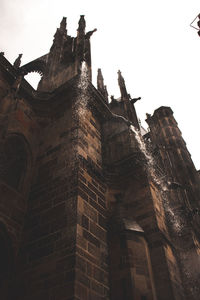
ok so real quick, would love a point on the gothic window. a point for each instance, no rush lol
(13, 161)
(33, 78)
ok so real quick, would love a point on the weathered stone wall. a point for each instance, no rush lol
(64, 250)
(69, 235)
(47, 254)
(131, 273)
(139, 200)
(92, 252)
(181, 201)
(17, 146)
(49, 83)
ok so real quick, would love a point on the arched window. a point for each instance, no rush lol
(34, 71)
(13, 161)
(33, 78)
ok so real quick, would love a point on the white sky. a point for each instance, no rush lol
(150, 41)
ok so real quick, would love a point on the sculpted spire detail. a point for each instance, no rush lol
(81, 25)
(63, 24)
(100, 85)
(65, 57)
(83, 46)
(126, 102)
(60, 35)
(122, 86)
(100, 80)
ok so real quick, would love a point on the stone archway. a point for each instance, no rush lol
(34, 71)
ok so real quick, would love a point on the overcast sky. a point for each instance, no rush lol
(151, 42)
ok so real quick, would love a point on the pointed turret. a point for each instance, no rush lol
(122, 86)
(63, 24)
(60, 36)
(127, 102)
(100, 80)
(81, 25)
(83, 52)
(66, 55)
(80, 50)
(100, 85)
(106, 93)
(55, 56)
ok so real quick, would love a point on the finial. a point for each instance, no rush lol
(17, 62)
(112, 98)
(63, 23)
(100, 85)
(106, 93)
(119, 72)
(81, 23)
(122, 85)
(120, 78)
(105, 87)
(100, 81)
(60, 35)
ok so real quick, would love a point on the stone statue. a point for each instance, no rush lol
(17, 62)
(112, 98)
(148, 115)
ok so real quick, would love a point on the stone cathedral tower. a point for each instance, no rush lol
(89, 208)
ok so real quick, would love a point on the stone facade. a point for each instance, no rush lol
(90, 209)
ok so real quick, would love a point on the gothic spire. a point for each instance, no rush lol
(100, 81)
(81, 25)
(100, 85)
(122, 86)
(60, 36)
(63, 25)
(128, 103)
(106, 93)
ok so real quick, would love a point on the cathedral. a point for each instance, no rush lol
(92, 206)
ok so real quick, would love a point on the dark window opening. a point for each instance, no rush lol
(13, 161)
